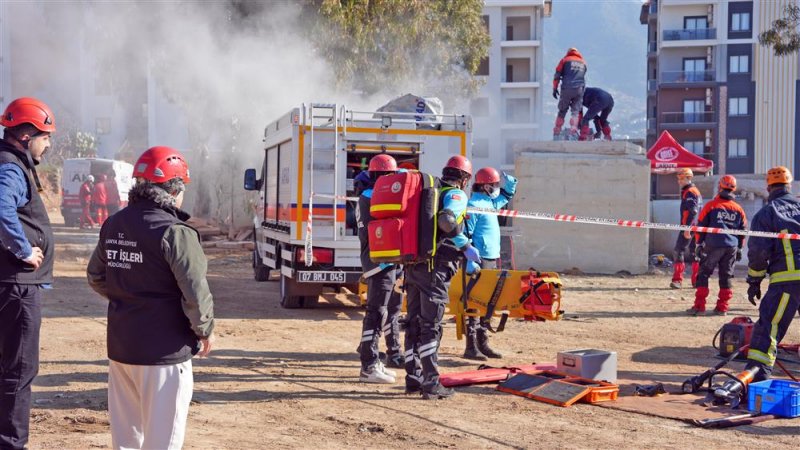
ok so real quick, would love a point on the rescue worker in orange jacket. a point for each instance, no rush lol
(718, 250)
(684, 246)
(571, 74)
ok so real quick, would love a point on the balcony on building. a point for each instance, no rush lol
(652, 87)
(704, 120)
(688, 78)
(652, 125)
(690, 34)
(519, 74)
(519, 33)
(652, 49)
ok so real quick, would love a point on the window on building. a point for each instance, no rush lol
(740, 21)
(737, 148)
(695, 23)
(102, 125)
(518, 110)
(518, 70)
(696, 147)
(737, 106)
(483, 67)
(486, 22)
(480, 148)
(693, 111)
(739, 64)
(479, 107)
(694, 69)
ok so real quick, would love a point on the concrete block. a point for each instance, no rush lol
(592, 179)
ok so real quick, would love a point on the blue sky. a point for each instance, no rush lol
(614, 44)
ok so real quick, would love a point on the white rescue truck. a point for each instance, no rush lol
(305, 227)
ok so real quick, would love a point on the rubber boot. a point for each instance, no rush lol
(725, 296)
(699, 307)
(471, 351)
(483, 345)
(607, 133)
(557, 128)
(677, 275)
(585, 132)
(695, 271)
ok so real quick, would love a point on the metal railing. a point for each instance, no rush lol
(688, 35)
(688, 117)
(684, 76)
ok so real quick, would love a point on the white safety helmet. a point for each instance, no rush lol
(90, 178)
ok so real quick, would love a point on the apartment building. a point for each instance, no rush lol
(508, 108)
(714, 88)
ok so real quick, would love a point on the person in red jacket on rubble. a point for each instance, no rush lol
(571, 73)
(100, 199)
(684, 246)
(719, 250)
(85, 195)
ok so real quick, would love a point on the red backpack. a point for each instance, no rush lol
(403, 208)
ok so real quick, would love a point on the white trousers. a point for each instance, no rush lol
(148, 405)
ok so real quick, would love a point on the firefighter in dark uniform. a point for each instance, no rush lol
(685, 246)
(427, 283)
(719, 250)
(571, 74)
(383, 303)
(781, 260)
(26, 261)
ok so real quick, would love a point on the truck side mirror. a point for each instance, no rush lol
(250, 181)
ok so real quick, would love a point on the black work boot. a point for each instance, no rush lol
(395, 360)
(472, 352)
(483, 345)
(438, 392)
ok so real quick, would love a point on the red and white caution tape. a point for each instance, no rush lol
(337, 197)
(627, 223)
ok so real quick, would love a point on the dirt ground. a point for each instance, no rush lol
(288, 378)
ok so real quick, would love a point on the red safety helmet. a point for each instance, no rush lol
(382, 163)
(487, 175)
(461, 163)
(29, 110)
(727, 182)
(161, 164)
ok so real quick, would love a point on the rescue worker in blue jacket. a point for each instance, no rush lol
(571, 74)
(780, 259)
(383, 303)
(484, 230)
(718, 250)
(599, 104)
(427, 283)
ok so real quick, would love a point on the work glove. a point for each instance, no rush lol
(473, 268)
(738, 254)
(700, 251)
(384, 266)
(509, 179)
(555, 93)
(472, 254)
(754, 289)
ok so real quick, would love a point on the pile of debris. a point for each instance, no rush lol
(212, 236)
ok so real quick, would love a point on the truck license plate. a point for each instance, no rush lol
(320, 277)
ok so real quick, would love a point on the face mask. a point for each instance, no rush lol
(494, 193)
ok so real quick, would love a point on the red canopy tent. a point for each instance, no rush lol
(667, 156)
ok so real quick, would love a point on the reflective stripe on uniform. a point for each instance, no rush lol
(783, 277)
(787, 250)
(769, 357)
(756, 273)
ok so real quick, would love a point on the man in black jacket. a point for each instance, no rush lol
(26, 261)
(150, 266)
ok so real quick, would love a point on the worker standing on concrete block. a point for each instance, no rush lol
(381, 296)
(718, 250)
(26, 261)
(571, 73)
(428, 282)
(484, 230)
(150, 266)
(684, 247)
(779, 259)
(599, 104)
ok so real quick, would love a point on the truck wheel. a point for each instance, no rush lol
(260, 271)
(310, 301)
(289, 301)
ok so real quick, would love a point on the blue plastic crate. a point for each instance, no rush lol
(779, 397)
